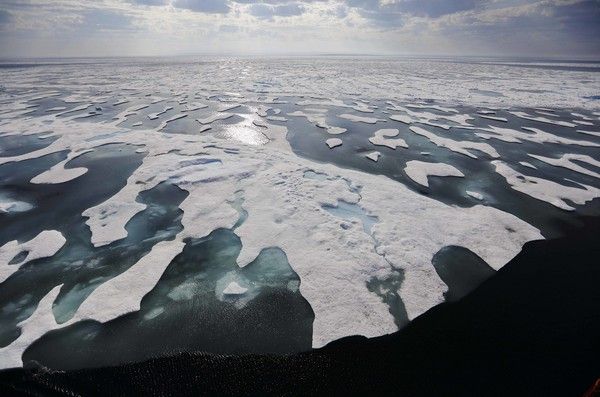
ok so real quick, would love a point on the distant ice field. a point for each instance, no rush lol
(149, 206)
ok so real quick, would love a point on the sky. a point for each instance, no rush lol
(567, 29)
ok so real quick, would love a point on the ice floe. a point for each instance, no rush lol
(60, 174)
(374, 156)
(593, 133)
(456, 146)
(359, 119)
(214, 117)
(276, 118)
(154, 116)
(194, 106)
(228, 107)
(495, 118)
(527, 116)
(533, 135)
(74, 110)
(318, 117)
(234, 288)
(419, 171)
(430, 106)
(55, 109)
(333, 142)
(475, 195)
(582, 116)
(171, 119)
(384, 137)
(120, 102)
(44, 245)
(429, 118)
(566, 161)
(41, 321)
(527, 164)
(546, 190)
(8, 205)
(402, 118)
(123, 293)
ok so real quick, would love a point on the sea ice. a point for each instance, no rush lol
(41, 321)
(56, 109)
(475, 195)
(60, 174)
(228, 107)
(288, 208)
(374, 156)
(7, 205)
(582, 116)
(120, 102)
(495, 118)
(154, 116)
(419, 171)
(122, 294)
(44, 245)
(234, 289)
(333, 142)
(194, 106)
(382, 138)
(214, 117)
(593, 133)
(545, 190)
(75, 109)
(430, 106)
(456, 146)
(359, 119)
(526, 164)
(276, 118)
(171, 119)
(318, 118)
(429, 118)
(566, 161)
(527, 116)
(402, 118)
(533, 135)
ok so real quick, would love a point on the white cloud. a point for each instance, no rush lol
(78, 27)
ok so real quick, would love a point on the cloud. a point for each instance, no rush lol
(267, 11)
(499, 27)
(150, 2)
(435, 8)
(105, 20)
(5, 17)
(204, 6)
